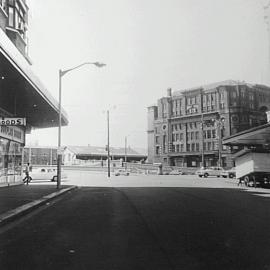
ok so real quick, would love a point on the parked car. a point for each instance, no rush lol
(176, 172)
(211, 171)
(231, 173)
(45, 173)
(121, 172)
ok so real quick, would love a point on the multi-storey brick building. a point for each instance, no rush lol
(176, 135)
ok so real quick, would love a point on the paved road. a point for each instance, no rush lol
(143, 228)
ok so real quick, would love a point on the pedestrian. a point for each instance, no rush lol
(27, 177)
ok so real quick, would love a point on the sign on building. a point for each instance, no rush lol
(7, 121)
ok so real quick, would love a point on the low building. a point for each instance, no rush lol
(186, 127)
(94, 155)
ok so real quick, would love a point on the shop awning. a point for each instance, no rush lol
(259, 135)
(22, 93)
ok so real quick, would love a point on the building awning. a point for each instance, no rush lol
(22, 93)
(256, 136)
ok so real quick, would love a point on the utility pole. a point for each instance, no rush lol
(266, 8)
(108, 147)
(125, 152)
(202, 123)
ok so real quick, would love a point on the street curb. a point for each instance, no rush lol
(26, 208)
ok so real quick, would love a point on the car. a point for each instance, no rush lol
(211, 171)
(45, 173)
(121, 172)
(231, 173)
(176, 172)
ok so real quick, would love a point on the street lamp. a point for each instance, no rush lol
(108, 141)
(126, 152)
(266, 8)
(219, 122)
(59, 152)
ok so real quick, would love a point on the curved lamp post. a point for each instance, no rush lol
(59, 152)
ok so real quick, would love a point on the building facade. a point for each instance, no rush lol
(186, 127)
(22, 94)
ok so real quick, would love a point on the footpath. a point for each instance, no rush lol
(19, 200)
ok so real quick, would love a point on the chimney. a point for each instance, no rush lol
(169, 92)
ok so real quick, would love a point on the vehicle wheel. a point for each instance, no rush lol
(200, 176)
(231, 175)
(206, 175)
(224, 176)
(54, 179)
(218, 175)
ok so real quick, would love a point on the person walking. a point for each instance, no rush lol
(27, 177)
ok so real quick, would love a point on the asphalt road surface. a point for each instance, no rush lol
(143, 228)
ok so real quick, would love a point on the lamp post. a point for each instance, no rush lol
(59, 152)
(219, 124)
(202, 123)
(266, 8)
(108, 142)
(126, 152)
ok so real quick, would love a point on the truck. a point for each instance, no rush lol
(253, 167)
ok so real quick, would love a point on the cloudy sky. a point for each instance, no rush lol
(148, 46)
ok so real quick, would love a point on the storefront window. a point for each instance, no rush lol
(10, 160)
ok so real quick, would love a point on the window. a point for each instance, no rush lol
(181, 136)
(192, 136)
(182, 147)
(188, 147)
(157, 139)
(213, 133)
(17, 16)
(157, 150)
(177, 148)
(209, 145)
(197, 135)
(193, 147)
(164, 110)
(177, 137)
(204, 98)
(208, 134)
(197, 147)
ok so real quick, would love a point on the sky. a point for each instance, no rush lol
(148, 46)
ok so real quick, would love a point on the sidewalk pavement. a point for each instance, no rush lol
(18, 200)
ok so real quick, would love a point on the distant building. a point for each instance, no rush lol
(76, 155)
(176, 135)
